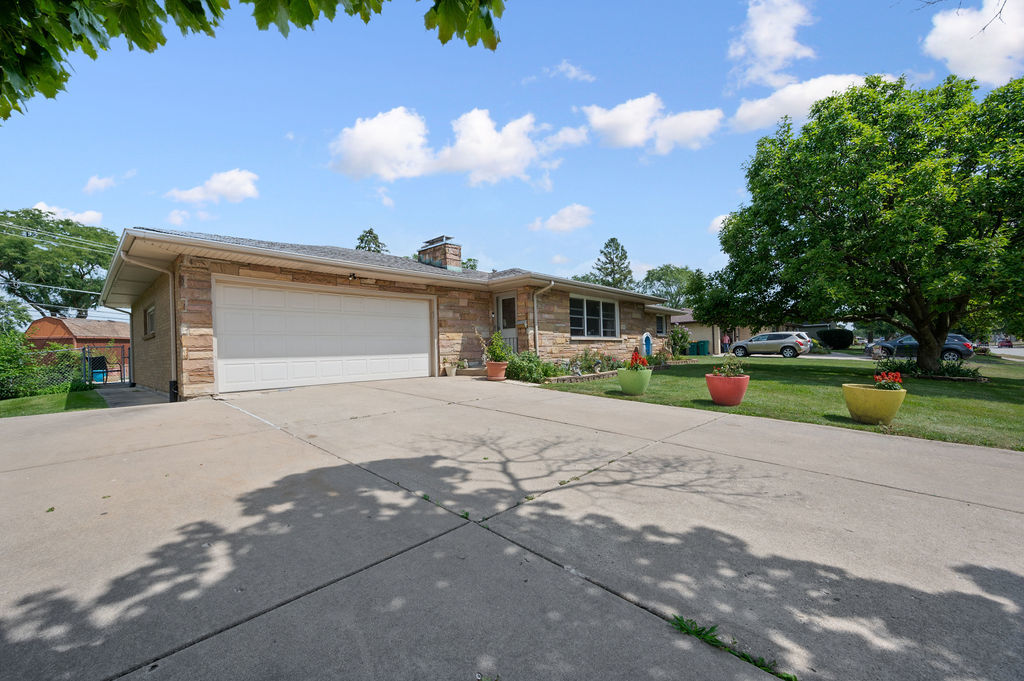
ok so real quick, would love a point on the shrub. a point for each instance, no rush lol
(496, 349)
(527, 366)
(908, 367)
(837, 339)
(679, 340)
(819, 348)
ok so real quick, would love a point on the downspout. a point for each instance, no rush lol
(536, 332)
(172, 389)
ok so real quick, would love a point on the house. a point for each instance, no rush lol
(215, 314)
(77, 333)
(700, 331)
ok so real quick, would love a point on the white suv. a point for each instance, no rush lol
(785, 343)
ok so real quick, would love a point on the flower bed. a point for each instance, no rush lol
(608, 374)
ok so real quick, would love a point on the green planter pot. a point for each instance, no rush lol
(634, 382)
(868, 404)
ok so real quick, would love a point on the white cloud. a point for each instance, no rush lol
(177, 217)
(793, 100)
(129, 174)
(994, 55)
(638, 121)
(689, 129)
(566, 137)
(768, 43)
(86, 217)
(572, 217)
(639, 269)
(390, 145)
(382, 194)
(570, 71)
(487, 154)
(98, 184)
(290, 136)
(559, 259)
(394, 145)
(715, 226)
(231, 185)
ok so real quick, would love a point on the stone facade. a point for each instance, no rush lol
(557, 343)
(151, 354)
(462, 314)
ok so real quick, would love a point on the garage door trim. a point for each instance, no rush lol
(323, 288)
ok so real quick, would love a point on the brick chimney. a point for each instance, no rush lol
(441, 252)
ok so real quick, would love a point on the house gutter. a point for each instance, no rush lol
(172, 388)
(536, 322)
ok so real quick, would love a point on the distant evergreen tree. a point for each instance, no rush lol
(369, 241)
(612, 268)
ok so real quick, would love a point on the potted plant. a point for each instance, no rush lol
(875, 404)
(728, 383)
(497, 353)
(452, 366)
(636, 376)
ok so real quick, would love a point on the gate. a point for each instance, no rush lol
(106, 364)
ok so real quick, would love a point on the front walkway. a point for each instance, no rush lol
(440, 528)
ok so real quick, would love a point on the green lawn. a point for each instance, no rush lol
(51, 404)
(808, 390)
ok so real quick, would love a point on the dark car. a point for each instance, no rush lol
(957, 347)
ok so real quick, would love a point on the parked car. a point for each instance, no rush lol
(956, 347)
(1005, 343)
(785, 343)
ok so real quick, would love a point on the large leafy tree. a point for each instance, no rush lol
(667, 281)
(890, 205)
(369, 241)
(612, 267)
(39, 250)
(13, 315)
(38, 36)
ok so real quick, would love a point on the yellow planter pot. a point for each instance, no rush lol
(868, 404)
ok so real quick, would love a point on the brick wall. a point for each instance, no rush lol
(151, 356)
(555, 340)
(460, 313)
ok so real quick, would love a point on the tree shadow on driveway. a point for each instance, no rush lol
(302, 532)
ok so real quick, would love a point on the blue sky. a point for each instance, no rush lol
(626, 120)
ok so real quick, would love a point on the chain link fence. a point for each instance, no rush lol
(57, 370)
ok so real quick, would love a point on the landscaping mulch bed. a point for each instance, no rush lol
(608, 374)
(958, 379)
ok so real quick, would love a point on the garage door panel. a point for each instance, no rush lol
(271, 337)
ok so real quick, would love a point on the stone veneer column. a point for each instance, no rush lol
(194, 309)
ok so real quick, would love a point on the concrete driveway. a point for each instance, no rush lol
(441, 528)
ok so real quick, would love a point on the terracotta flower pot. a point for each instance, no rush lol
(868, 404)
(727, 391)
(634, 381)
(496, 371)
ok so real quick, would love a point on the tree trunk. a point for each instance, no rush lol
(929, 349)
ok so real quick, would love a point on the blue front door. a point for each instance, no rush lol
(647, 344)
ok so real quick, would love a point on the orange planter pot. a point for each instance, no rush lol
(727, 391)
(496, 371)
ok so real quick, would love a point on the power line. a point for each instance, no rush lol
(57, 235)
(61, 307)
(57, 288)
(105, 250)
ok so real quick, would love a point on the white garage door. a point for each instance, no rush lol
(276, 337)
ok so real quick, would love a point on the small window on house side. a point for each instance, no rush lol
(149, 321)
(660, 324)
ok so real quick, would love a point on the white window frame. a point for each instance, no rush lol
(664, 325)
(618, 331)
(148, 326)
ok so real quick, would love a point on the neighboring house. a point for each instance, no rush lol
(76, 332)
(701, 331)
(213, 314)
